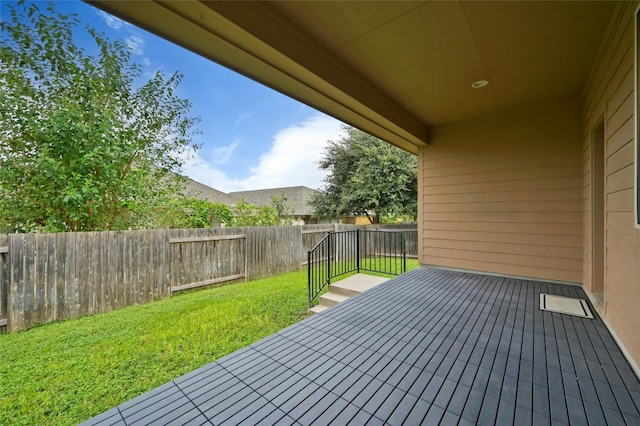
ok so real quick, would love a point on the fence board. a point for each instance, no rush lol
(59, 259)
(16, 289)
(4, 280)
(50, 278)
(40, 278)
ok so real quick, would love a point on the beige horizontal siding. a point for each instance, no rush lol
(509, 196)
(610, 93)
(521, 219)
(505, 195)
(504, 206)
(535, 183)
(550, 229)
(493, 266)
(535, 239)
(512, 247)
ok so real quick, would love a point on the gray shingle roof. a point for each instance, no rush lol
(297, 197)
(200, 190)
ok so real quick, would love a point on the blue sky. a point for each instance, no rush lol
(252, 137)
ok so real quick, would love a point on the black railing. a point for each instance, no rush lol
(343, 252)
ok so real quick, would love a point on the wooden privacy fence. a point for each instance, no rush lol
(48, 277)
(67, 275)
(313, 234)
(410, 231)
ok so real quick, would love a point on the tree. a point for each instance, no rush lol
(278, 213)
(83, 144)
(365, 174)
(247, 214)
(192, 212)
(283, 210)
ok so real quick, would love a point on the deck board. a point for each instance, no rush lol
(429, 346)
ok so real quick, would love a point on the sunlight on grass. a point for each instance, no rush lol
(67, 372)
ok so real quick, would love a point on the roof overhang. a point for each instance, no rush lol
(391, 68)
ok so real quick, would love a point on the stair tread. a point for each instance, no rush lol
(317, 309)
(345, 289)
(334, 296)
(359, 283)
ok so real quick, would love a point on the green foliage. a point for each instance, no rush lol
(221, 213)
(278, 213)
(366, 174)
(84, 145)
(281, 205)
(192, 212)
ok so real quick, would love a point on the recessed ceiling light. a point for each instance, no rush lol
(480, 83)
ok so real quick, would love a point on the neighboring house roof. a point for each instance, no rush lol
(298, 198)
(200, 190)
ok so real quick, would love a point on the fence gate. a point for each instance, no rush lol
(343, 252)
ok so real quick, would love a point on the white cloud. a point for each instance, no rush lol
(241, 119)
(135, 43)
(291, 161)
(224, 153)
(111, 21)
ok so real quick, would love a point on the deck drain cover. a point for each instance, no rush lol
(565, 305)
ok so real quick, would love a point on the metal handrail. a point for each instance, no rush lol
(316, 280)
(343, 252)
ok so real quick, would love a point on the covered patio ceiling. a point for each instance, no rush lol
(393, 69)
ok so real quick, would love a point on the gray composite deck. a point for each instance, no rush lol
(430, 347)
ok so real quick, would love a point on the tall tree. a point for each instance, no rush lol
(83, 144)
(365, 174)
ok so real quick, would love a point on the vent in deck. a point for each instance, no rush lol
(565, 305)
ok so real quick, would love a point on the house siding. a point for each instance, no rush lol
(610, 94)
(505, 194)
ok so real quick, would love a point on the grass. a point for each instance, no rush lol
(66, 372)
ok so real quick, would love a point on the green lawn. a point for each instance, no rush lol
(66, 372)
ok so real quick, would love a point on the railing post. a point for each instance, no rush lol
(358, 249)
(309, 267)
(404, 252)
(329, 258)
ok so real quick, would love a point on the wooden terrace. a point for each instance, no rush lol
(429, 347)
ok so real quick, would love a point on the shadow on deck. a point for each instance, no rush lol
(429, 347)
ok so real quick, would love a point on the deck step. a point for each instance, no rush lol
(344, 289)
(356, 284)
(317, 309)
(330, 299)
